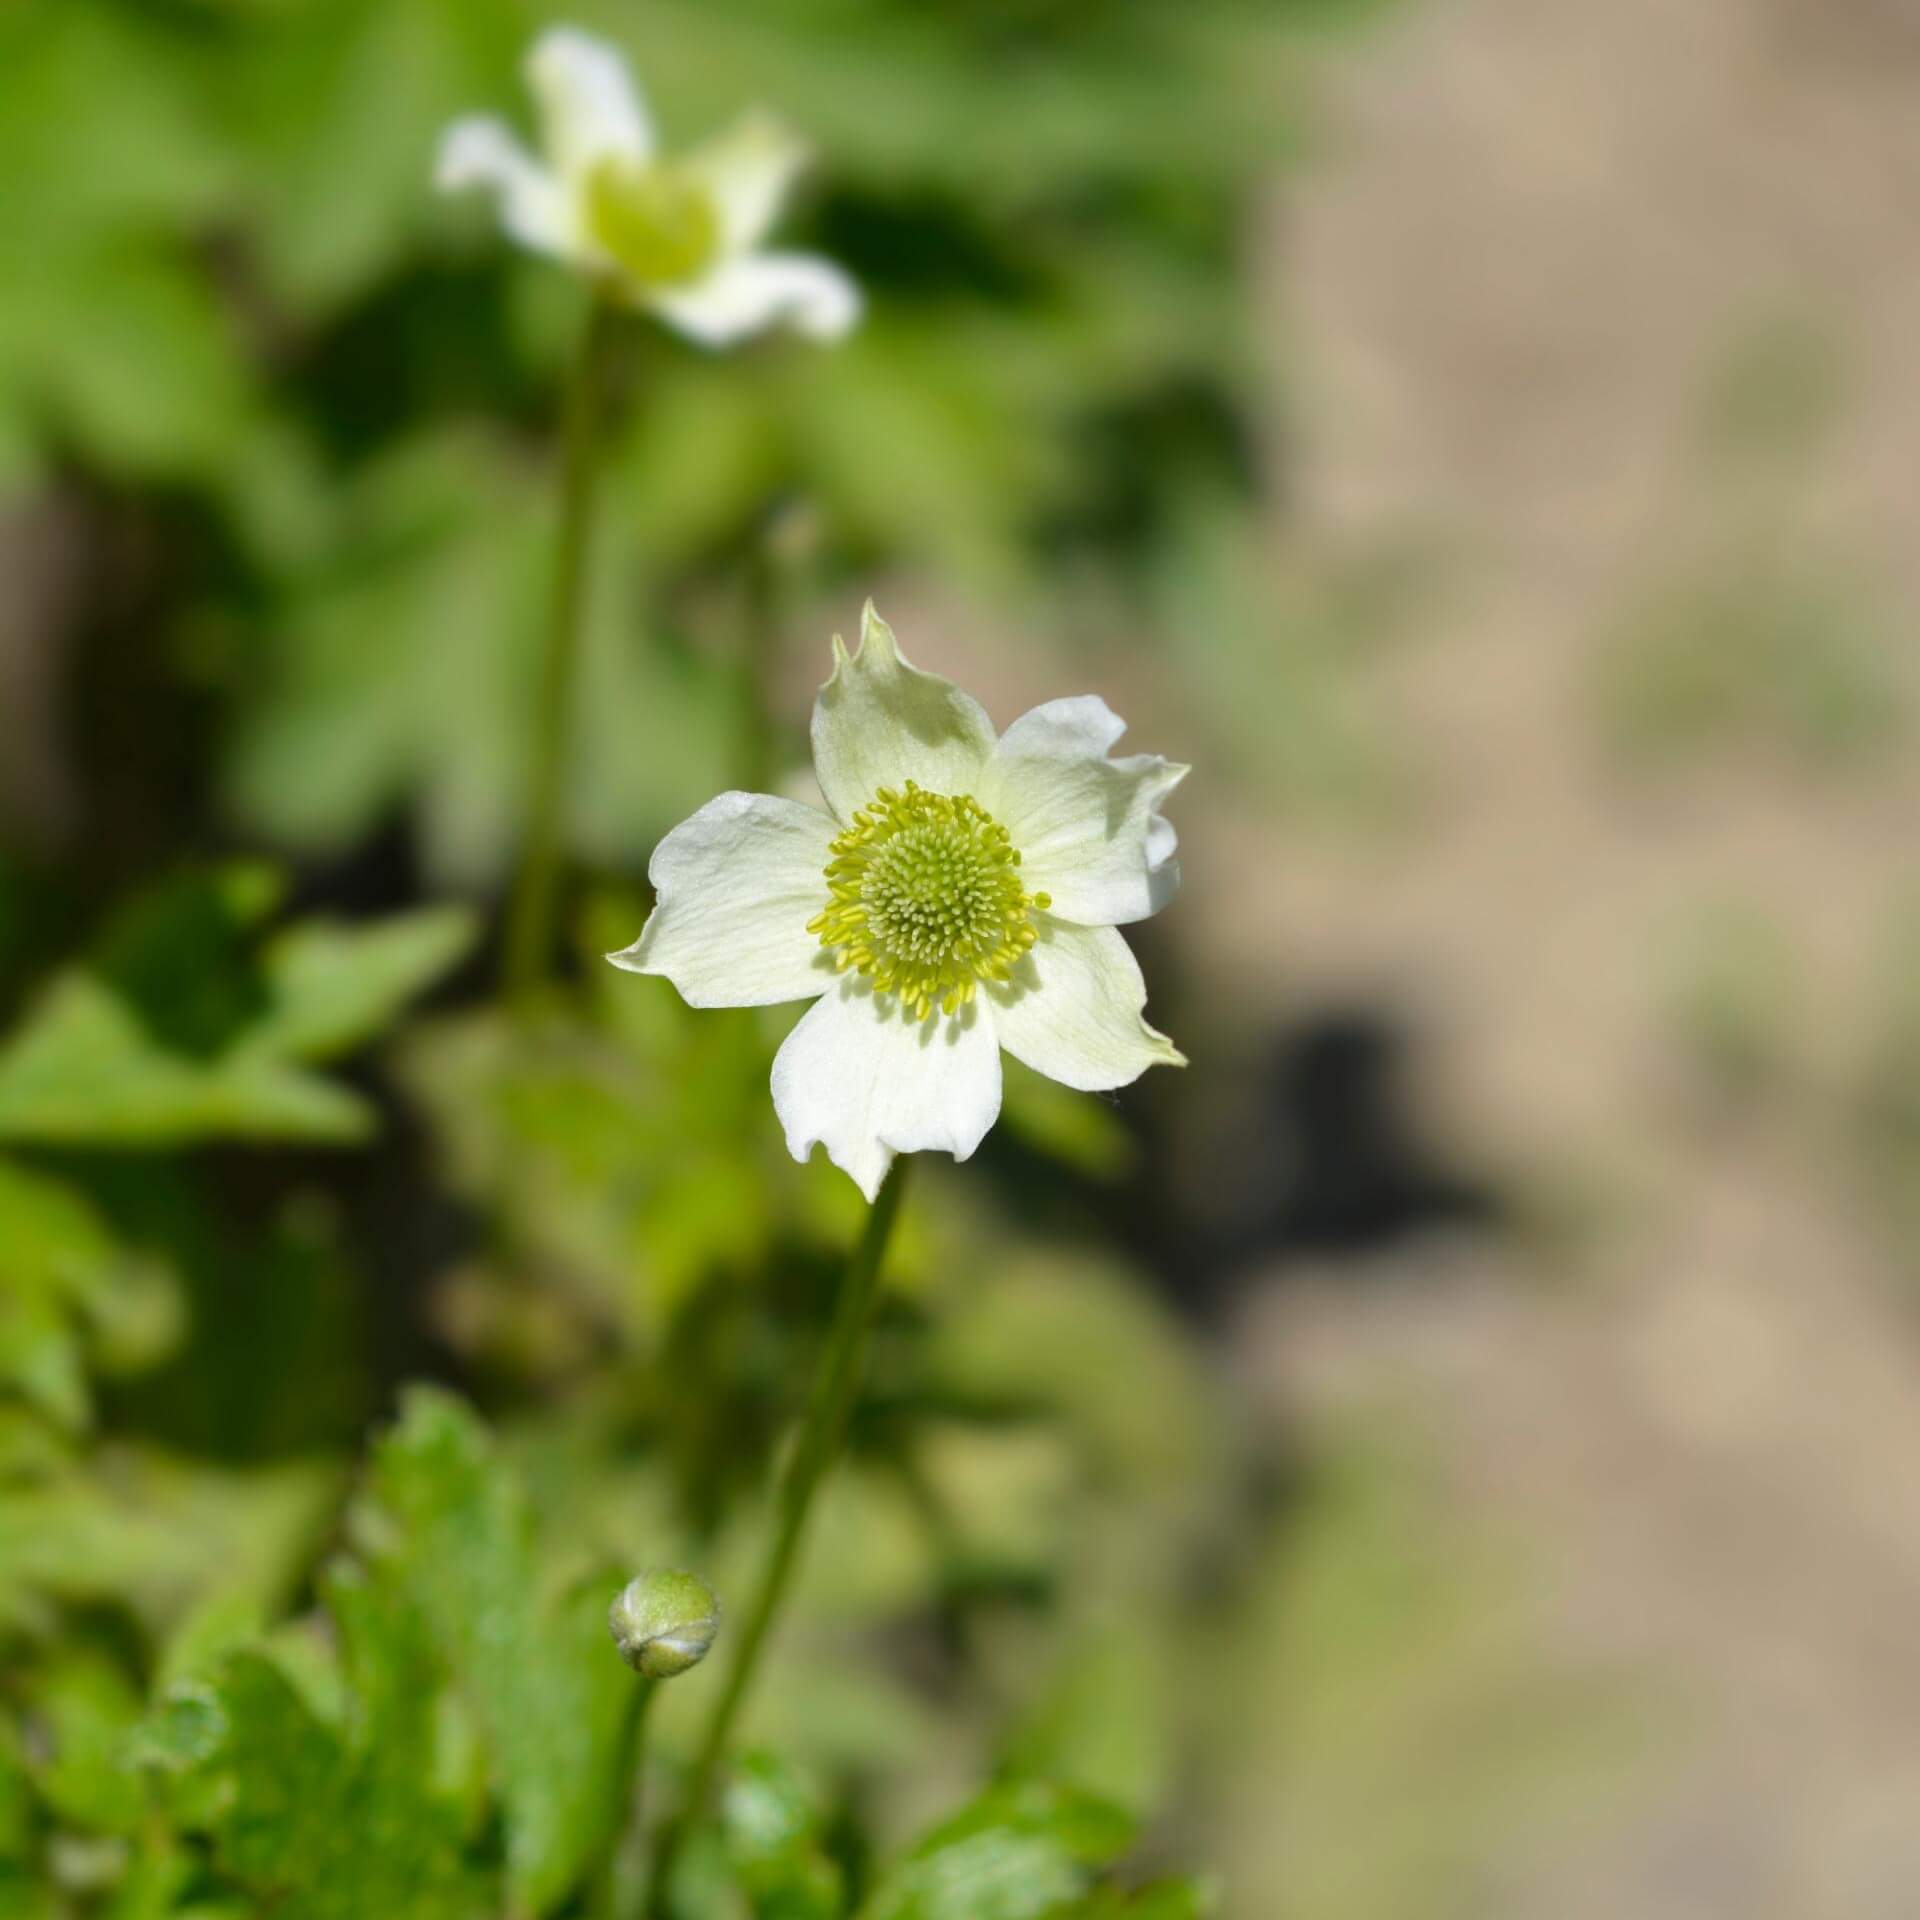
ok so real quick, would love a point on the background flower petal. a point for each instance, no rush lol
(748, 170)
(745, 296)
(737, 884)
(483, 152)
(590, 106)
(1075, 1010)
(1087, 826)
(868, 1083)
(880, 721)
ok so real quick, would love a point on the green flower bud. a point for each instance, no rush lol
(664, 1622)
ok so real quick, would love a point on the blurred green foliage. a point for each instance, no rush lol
(274, 426)
(237, 315)
(1397, 1631)
(176, 1032)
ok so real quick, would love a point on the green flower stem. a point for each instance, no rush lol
(778, 559)
(629, 1775)
(815, 1450)
(530, 916)
(760, 617)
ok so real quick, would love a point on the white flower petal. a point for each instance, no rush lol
(1073, 1010)
(534, 208)
(590, 109)
(748, 170)
(870, 1083)
(1088, 827)
(754, 291)
(737, 884)
(880, 722)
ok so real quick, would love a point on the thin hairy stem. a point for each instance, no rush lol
(619, 1868)
(815, 1450)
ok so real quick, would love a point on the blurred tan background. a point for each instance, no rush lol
(1611, 312)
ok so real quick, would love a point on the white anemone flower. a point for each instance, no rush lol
(960, 894)
(680, 237)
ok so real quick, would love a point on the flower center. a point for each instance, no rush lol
(657, 222)
(924, 898)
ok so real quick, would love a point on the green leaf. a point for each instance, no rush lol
(180, 954)
(405, 665)
(42, 1263)
(82, 1706)
(112, 337)
(393, 1663)
(260, 1754)
(157, 1883)
(339, 103)
(335, 987)
(84, 1072)
(1104, 1716)
(325, 1821)
(1020, 1852)
(538, 1669)
(123, 350)
(98, 123)
(176, 1034)
(156, 1536)
(66, 1286)
(619, 1162)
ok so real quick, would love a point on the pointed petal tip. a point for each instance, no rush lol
(750, 169)
(877, 646)
(747, 293)
(875, 633)
(1165, 1053)
(868, 1178)
(881, 719)
(478, 149)
(562, 45)
(590, 105)
(834, 305)
(766, 135)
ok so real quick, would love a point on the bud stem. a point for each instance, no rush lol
(629, 1776)
(531, 912)
(815, 1450)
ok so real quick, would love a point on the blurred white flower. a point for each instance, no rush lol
(680, 237)
(960, 896)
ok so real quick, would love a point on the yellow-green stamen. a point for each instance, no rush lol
(924, 898)
(656, 221)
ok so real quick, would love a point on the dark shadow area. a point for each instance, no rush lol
(1311, 1148)
(1353, 1172)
